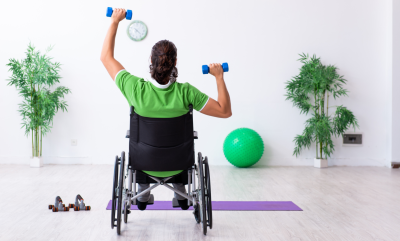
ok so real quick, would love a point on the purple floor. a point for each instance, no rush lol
(229, 206)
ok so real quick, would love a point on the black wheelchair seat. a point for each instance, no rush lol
(161, 144)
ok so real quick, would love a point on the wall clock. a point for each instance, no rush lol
(137, 30)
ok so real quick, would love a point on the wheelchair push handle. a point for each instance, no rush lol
(128, 14)
(206, 69)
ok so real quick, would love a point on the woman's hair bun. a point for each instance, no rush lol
(163, 59)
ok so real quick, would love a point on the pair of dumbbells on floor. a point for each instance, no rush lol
(60, 206)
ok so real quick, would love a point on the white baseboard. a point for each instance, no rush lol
(331, 162)
(25, 160)
(17, 160)
(61, 160)
(88, 160)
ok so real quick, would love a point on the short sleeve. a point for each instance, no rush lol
(127, 84)
(197, 98)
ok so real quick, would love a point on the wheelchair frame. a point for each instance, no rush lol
(199, 193)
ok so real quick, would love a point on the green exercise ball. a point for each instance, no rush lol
(243, 147)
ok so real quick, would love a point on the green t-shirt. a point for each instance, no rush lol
(153, 100)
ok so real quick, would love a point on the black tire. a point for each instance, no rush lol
(120, 189)
(202, 194)
(208, 195)
(114, 193)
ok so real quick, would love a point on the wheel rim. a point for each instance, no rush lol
(202, 195)
(114, 201)
(208, 196)
(120, 189)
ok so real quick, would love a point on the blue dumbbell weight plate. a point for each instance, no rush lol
(205, 69)
(129, 14)
(109, 11)
(225, 67)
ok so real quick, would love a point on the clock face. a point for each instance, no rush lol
(137, 30)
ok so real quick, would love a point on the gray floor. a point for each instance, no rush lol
(339, 203)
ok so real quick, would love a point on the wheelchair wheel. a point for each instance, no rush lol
(202, 192)
(208, 192)
(120, 192)
(114, 193)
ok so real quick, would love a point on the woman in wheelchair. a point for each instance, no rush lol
(159, 99)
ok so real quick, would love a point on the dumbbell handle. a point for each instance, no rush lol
(206, 69)
(128, 14)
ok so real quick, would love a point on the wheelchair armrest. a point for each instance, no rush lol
(128, 134)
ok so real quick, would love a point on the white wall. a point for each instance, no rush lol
(260, 40)
(395, 87)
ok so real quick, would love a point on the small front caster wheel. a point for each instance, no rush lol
(196, 213)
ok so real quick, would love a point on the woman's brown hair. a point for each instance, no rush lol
(163, 59)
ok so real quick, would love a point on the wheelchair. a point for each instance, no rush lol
(161, 144)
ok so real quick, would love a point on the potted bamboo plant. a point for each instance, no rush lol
(33, 77)
(310, 91)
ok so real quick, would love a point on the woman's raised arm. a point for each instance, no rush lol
(222, 107)
(107, 52)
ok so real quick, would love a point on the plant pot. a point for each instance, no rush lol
(320, 163)
(36, 162)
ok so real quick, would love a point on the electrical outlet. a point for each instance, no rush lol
(352, 139)
(74, 142)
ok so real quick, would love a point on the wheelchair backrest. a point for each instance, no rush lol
(161, 144)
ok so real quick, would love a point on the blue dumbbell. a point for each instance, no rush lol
(206, 69)
(128, 14)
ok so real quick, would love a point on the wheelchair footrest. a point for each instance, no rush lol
(175, 203)
(149, 202)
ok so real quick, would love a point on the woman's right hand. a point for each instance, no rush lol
(118, 15)
(216, 70)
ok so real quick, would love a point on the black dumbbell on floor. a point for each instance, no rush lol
(79, 204)
(58, 205)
